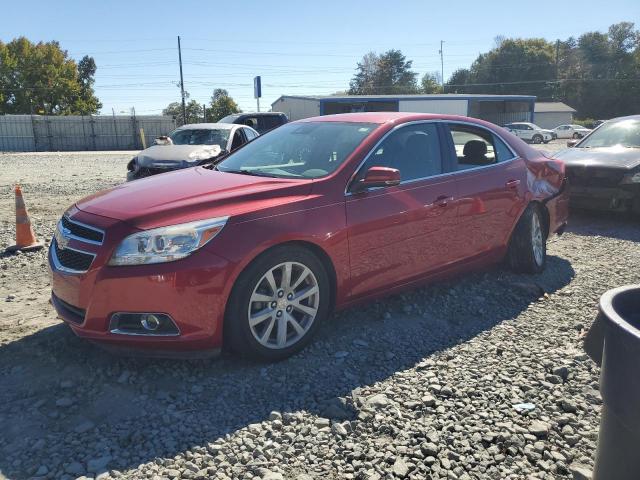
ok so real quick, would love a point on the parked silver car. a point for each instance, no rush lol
(189, 146)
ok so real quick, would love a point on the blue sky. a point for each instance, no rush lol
(299, 47)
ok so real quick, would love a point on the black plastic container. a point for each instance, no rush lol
(614, 343)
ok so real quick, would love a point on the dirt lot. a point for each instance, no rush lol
(420, 385)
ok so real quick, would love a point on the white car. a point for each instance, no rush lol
(189, 146)
(530, 132)
(571, 131)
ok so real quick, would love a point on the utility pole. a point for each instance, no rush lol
(184, 108)
(204, 110)
(441, 65)
(557, 57)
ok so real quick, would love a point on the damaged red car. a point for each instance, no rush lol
(254, 252)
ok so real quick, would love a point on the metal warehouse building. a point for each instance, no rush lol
(552, 114)
(499, 109)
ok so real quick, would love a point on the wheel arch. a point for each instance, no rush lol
(314, 248)
(546, 219)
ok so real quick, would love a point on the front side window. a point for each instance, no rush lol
(414, 150)
(200, 136)
(625, 133)
(477, 147)
(306, 150)
(238, 140)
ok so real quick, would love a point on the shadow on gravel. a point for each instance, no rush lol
(623, 226)
(63, 400)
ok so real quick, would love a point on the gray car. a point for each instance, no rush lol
(603, 169)
(189, 146)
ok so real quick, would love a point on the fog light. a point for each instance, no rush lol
(149, 324)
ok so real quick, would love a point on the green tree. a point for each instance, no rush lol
(608, 80)
(431, 83)
(194, 111)
(514, 66)
(41, 78)
(458, 80)
(598, 73)
(388, 73)
(221, 105)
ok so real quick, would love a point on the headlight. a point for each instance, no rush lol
(631, 178)
(205, 153)
(166, 244)
(131, 166)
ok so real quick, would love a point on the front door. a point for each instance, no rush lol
(399, 233)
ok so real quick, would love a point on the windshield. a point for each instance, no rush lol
(625, 133)
(200, 136)
(308, 150)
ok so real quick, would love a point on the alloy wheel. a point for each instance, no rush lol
(537, 240)
(283, 305)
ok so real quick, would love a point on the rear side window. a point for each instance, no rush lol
(503, 153)
(477, 147)
(269, 122)
(414, 150)
(251, 122)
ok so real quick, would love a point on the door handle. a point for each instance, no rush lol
(442, 201)
(513, 184)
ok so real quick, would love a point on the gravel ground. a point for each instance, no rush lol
(482, 377)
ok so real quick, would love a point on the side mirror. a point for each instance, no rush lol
(572, 143)
(379, 177)
(163, 140)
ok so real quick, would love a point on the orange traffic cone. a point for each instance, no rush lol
(25, 238)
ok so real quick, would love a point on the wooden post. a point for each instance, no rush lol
(142, 139)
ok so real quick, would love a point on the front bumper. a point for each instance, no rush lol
(606, 198)
(191, 291)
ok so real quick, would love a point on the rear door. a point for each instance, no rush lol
(491, 182)
(401, 232)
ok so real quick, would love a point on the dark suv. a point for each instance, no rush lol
(260, 121)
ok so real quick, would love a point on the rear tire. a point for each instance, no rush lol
(528, 247)
(537, 139)
(277, 304)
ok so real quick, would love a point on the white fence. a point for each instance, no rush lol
(36, 133)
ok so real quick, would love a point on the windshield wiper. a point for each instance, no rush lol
(244, 171)
(214, 160)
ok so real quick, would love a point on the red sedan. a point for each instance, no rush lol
(318, 214)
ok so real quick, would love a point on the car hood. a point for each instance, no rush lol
(609, 157)
(172, 155)
(193, 194)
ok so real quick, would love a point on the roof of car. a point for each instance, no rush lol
(384, 117)
(209, 126)
(253, 114)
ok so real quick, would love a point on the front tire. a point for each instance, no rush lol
(576, 136)
(277, 304)
(537, 139)
(528, 246)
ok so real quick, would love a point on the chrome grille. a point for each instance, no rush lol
(69, 259)
(81, 231)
